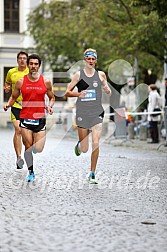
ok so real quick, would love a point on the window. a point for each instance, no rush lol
(11, 15)
(6, 95)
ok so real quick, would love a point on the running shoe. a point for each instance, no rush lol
(77, 149)
(30, 177)
(20, 163)
(91, 179)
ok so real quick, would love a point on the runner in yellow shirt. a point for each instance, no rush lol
(13, 75)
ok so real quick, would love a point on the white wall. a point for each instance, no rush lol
(12, 43)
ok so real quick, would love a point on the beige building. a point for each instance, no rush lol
(13, 38)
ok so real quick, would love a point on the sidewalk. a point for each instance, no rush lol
(136, 143)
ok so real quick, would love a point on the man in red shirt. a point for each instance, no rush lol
(33, 88)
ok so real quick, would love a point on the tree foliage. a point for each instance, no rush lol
(115, 28)
(159, 6)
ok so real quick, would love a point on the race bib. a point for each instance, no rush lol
(31, 121)
(90, 95)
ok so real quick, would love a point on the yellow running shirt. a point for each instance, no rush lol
(12, 77)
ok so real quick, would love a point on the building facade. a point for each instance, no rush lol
(13, 35)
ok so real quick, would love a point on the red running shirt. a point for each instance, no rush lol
(33, 103)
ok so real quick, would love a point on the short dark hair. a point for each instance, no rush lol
(166, 78)
(22, 52)
(34, 56)
(153, 87)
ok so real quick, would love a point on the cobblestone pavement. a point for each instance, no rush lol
(126, 211)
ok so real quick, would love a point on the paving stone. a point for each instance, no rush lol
(61, 212)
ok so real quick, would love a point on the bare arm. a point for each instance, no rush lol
(71, 86)
(15, 94)
(50, 95)
(105, 85)
(7, 87)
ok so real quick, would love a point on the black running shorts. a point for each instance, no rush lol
(15, 113)
(33, 125)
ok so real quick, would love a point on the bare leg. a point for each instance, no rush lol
(30, 140)
(17, 138)
(39, 141)
(96, 134)
(84, 139)
(27, 136)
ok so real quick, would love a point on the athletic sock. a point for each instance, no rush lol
(18, 158)
(30, 169)
(92, 174)
(29, 160)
